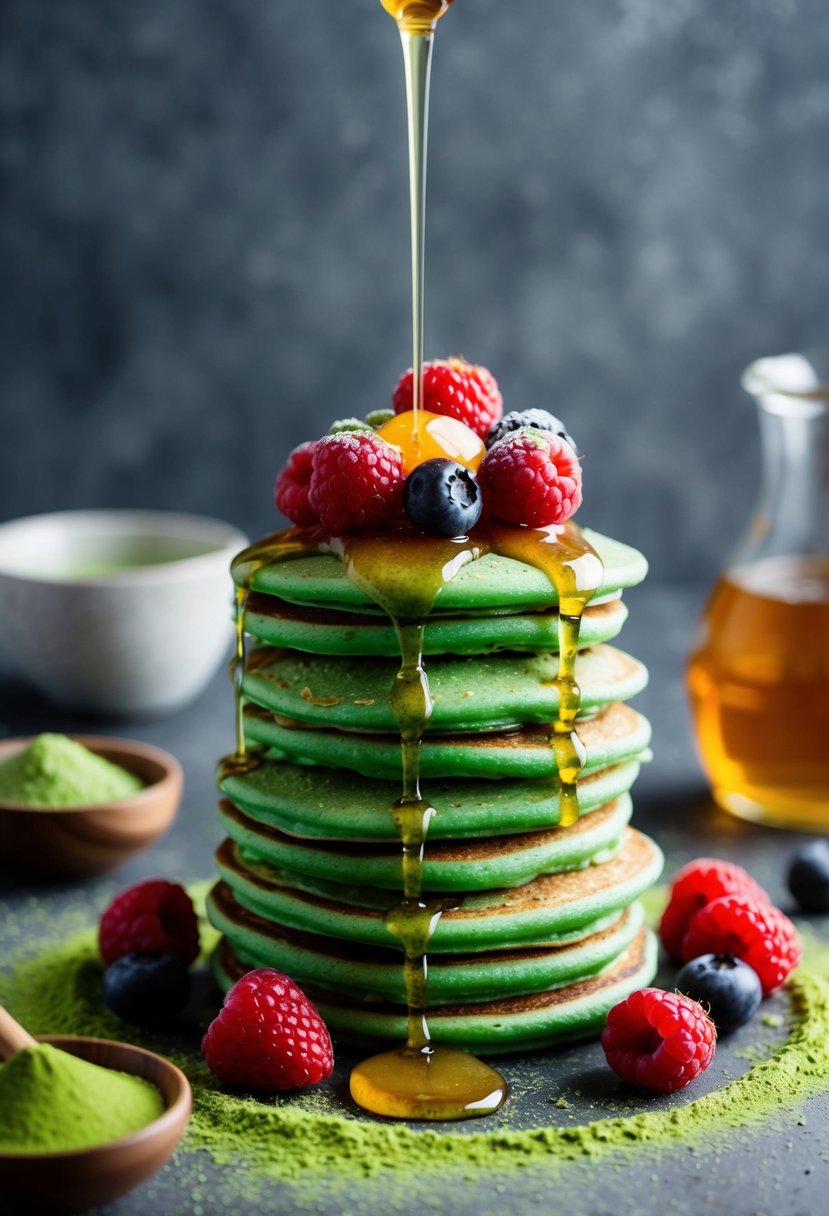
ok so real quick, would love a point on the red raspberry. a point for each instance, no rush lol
(268, 1035)
(291, 490)
(659, 1040)
(694, 886)
(752, 930)
(456, 388)
(532, 478)
(154, 917)
(357, 481)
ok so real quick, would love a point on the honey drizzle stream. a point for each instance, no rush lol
(417, 60)
(413, 920)
(416, 21)
(406, 591)
(575, 570)
(418, 1080)
(279, 547)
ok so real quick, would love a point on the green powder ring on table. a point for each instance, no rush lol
(305, 1143)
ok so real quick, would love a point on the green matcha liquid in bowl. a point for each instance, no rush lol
(119, 613)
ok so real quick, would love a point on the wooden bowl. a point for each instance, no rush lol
(82, 841)
(91, 1176)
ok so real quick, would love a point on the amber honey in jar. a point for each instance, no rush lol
(758, 676)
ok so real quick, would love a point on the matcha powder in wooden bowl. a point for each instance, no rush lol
(54, 1102)
(55, 771)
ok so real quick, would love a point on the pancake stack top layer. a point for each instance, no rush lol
(535, 928)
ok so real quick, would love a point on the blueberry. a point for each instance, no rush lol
(147, 989)
(724, 985)
(542, 420)
(442, 497)
(809, 876)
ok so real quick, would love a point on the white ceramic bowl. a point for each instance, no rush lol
(117, 612)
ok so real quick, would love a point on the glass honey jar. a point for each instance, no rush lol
(758, 676)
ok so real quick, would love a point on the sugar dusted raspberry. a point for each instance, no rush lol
(153, 917)
(291, 490)
(531, 477)
(694, 886)
(749, 929)
(268, 1035)
(357, 482)
(658, 1040)
(452, 386)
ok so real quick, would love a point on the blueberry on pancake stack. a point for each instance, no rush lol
(434, 732)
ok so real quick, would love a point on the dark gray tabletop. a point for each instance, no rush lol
(780, 1168)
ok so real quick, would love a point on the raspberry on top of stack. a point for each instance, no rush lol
(435, 623)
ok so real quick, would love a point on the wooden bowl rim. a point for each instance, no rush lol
(160, 1128)
(170, 777)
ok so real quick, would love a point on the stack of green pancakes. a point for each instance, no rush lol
(544, 932)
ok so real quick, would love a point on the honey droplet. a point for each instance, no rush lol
(433, 436)
(238, 764)
(417, 16)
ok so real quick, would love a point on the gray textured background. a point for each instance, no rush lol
(204, 239)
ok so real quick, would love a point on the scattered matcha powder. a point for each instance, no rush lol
(53, 1102)
(54, 771)
(305, 1141)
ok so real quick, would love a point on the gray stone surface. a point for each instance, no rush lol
(204, 227)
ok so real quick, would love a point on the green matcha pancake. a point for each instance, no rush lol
(522, 1023)
(376, 973)
(449, 865)
(491, 584)
(549, 910)
(330, 804)
(498, 692)
(536, 928)
(328, 631)
(615, 734)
